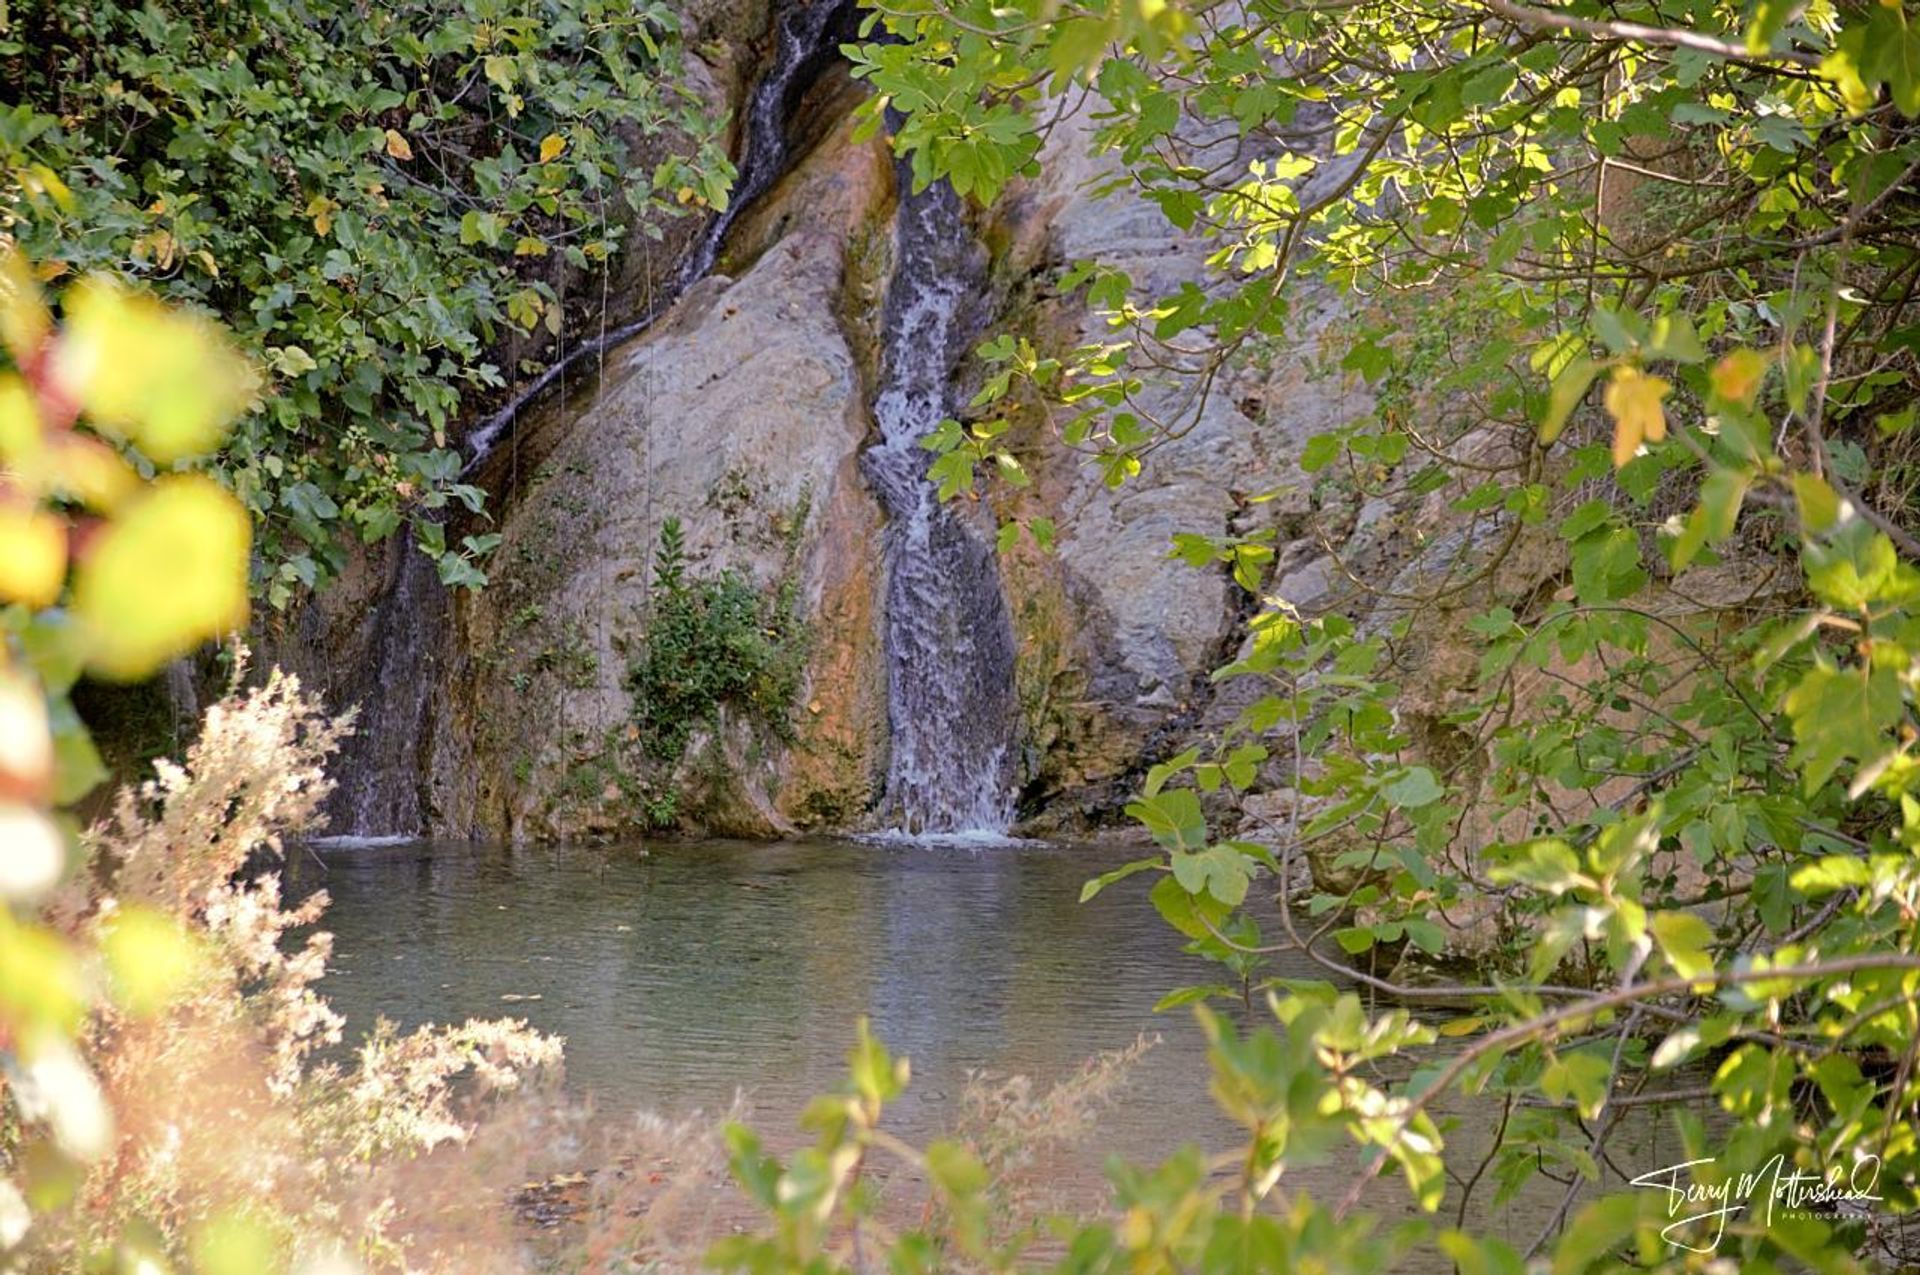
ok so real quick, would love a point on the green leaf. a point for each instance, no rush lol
(1413, 788)
(1121, 873)
(1606, 566)
(1674, 337)
(876, 1076)
(1581, 1077)
(1569, 387)
(1714, 518)
(1354, 939)
(1594, 1232)
(1428, 936)
(1546, 865)
(955, 1168)
(1173, 818)
(1193, 996)
(1218, 871)
(1684, 939)
(1191, 914)
(1841, 714)
(1157, 776)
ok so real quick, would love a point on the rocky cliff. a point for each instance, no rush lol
(741, 416)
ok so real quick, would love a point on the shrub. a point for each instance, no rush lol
(712, 644)
(197, 1111)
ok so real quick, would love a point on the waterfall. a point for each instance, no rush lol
(380, 768)
(383, 767)
(949, 640)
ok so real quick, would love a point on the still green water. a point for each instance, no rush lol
(690, 972)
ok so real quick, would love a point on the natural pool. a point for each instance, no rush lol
(691, 970)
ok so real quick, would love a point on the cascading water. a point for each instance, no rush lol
(949, 640)
(806, 38)
(381, 767)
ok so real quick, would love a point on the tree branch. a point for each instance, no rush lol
(1634, 32)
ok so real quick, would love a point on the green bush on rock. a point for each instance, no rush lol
(711, 644)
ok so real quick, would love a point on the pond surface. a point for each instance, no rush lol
(688, 972)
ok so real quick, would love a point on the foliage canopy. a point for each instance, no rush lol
(373, 200)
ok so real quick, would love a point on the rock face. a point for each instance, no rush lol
(740, 415)
(1118, 636)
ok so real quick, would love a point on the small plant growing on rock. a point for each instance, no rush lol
(711, 644)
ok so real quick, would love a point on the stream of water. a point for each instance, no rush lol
(949, 641)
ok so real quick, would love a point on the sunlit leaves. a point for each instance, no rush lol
(231, 1242)
(166, 380)
(24, 320)
(1840, 715)
(1685, 940)
(1633, 399)
(1580, 1077)
(1546, 865)
(151, 959)
(33, 553)
(877, 1076)
(43, 989)
(170, 571)
(1569, 387)
(1714, 518)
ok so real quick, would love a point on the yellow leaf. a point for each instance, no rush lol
(24, 321)
(20, 432)
(1633, 400)
(1737, 376)
(1462, 1026)
(530, 247)
(151, 959)
(85, 469)
(167, 573)
(41, 180)
(42, 986)
(232, 1243)
(167, 379)
(33, 554)
(397, 145)
(550, 147)
(320, 208)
